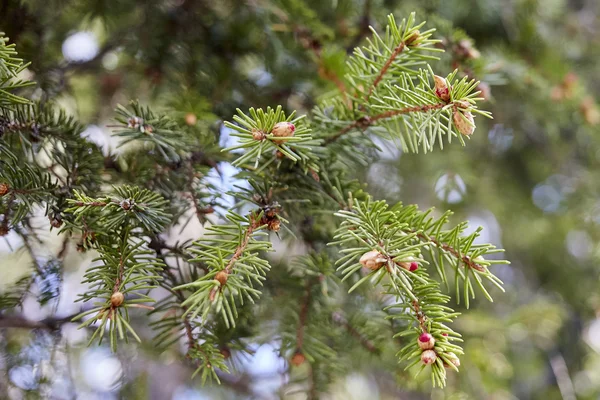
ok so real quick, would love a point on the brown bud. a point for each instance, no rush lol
(298, 359)
(283, 129)
(126, 204)
(222, 277)
(274, 225)
(372, 260)
(117, 299)
(191, 119)
(257, 134)
(426, 341)
(442, 89)
(413, 38)
(3, 230)
(56, 222)
(464, 122)
(225, 352)
(4, 188)
(428, 357)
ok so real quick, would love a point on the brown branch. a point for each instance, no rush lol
(90, 204)
(365, 122)
(420, 316)
(365, 342)
(253, 224)
(384, 69)
(446, 247)
(302, 319)
(20, 322)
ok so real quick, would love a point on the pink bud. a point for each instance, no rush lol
(442, 90)
(428, 357)
(413, 266)
(426, 341)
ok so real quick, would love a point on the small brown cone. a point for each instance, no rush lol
(464, 122)
(117, 299)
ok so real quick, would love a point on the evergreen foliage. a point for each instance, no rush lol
(293, 250)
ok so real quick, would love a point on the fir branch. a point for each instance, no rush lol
(230, 253)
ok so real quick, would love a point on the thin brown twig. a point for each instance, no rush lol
(384, 69)
(365, 122)
(420, 316)
(303, 317)
(464, 258)
(365, 342)
(242, 247)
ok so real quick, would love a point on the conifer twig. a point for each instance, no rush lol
(397, 50)
(366, 121)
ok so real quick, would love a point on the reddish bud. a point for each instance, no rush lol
(426, 341)
(413, 266)
(428, 357)
(442, 89)
(298, 359)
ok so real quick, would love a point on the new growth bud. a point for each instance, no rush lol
(283, 129)
(372, 260)
(117, 299)
(426, 341)
(442, 89)
(464, 122)
(428, 357)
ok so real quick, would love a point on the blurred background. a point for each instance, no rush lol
(530, 176)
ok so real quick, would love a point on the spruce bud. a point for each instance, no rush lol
(298, 359)
(283, 129)
(464, 122)
(442, 89)
(372, 260)
(426, 341)
(221, 277)
(428, 357)
(117, 299)
(453, 358)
